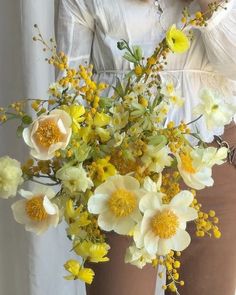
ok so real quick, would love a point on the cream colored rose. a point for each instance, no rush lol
(48, 134)
(10, 177)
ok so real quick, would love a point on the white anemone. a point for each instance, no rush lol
(48, 133)
(117, 203)
(195, 166)
(36, 211)
(163, 226)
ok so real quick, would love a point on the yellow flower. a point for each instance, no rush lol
(87, 133)
(176, 40)
(78, 272)
(105, 169)
(101, 120)
(93, 252)
(103, 134)
(76, 112)
(76, 218)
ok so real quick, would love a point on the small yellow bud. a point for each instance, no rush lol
(138, 70)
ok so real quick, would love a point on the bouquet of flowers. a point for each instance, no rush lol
(115, 163)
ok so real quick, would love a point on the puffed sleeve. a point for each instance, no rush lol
(220, 40)
(75, 27)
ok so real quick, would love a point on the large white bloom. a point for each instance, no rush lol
(10, 177)
(195, 166)
(117, 203)
(156, 160)
(36, 211)
(138, 257)
(163, 226)
(216, 112)
(48, 134)
(74, 179)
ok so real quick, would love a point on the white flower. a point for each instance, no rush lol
(56, 89)
(156, 160)
(163, 226)
(120, 117)
(36, 211)
(216, 112)
(10, 177)
(151, 186)
(117, 203)
(195, 166)
(74, 179)
(118, 137)
(168, 90)
(48, 134)
(138, 257)
(140, 88)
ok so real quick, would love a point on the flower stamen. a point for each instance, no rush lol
(122, 203)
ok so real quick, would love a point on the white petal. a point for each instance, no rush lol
(106, 188)
(164, 247)
(180, 241)
(136, 215)
(107, 221)
(97, 203)
(150, 201)
(182, 199)
(48, 206)
(151, 243)
(18, 210)
(130, 183)
(26, 136)
(124, 226)
(145, 224)
(186, 214)
(26, 194)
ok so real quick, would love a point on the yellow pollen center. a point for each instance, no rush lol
(165, 224)
(48, 133)
(122, 203)
(187, 163)
(35, 210)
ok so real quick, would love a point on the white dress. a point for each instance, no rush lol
(88, 31)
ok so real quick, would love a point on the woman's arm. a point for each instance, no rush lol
(75, 31)
(220, 39)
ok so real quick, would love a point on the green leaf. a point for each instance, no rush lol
(27, 120)
(20, 130)
(158, 140)
(130, 57)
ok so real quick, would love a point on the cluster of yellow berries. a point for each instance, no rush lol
(175, 135)
(3, 117)
(170, 186)
(59, 61)
(93, 230)
(172, 264)
(34, 168)
(206, 224)
(14, 109)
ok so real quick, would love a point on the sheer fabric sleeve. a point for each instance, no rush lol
(75, 28)
(220, 40)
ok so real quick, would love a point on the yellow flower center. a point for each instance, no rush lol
(187, 163)
(35, 210)
(164, 224)
(170, 88)
(122, 203)
(48, 133)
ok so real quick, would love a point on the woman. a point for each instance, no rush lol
(88, 32)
